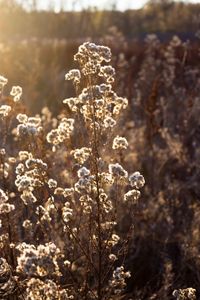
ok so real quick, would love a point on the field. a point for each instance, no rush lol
(100, 154)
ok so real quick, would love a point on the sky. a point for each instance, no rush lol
(80, 4)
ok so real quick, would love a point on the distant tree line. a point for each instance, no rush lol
(161, 17)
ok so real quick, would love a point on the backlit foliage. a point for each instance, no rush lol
(62, 194)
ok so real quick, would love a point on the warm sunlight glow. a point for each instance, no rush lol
(57, 5)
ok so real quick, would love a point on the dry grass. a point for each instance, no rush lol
(161, 125)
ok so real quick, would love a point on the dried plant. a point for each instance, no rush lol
(63, 196)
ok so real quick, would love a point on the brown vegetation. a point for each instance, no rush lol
(161, 81)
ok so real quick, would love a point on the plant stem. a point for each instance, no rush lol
(96, 156)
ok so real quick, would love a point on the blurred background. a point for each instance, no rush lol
(38, 38)
(155, 46)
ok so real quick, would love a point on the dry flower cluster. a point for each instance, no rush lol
(62, 194)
